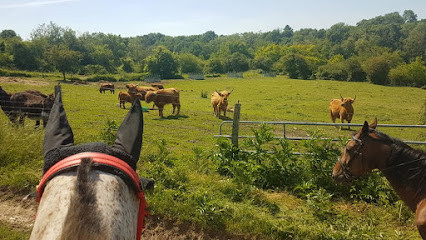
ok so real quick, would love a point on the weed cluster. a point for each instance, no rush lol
(273, 165)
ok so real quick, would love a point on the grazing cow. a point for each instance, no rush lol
(162, 97)
(157, 85)
(124, 97)
(220, 102)
(31, 103)
(105, 87)
(342, 109)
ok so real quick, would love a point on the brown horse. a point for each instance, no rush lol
(403, 166)
(90, 191)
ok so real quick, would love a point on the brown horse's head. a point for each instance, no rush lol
(362, 154)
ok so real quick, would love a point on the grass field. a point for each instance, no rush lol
(203, 196)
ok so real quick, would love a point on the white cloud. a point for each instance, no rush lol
(33, 3)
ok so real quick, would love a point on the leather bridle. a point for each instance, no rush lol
(356, 154)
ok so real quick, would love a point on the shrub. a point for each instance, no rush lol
(93, 69)
(345, 70)
(272, 164)
(97, 78)
(132, 77)
(413, 74)
(108, 134)
(377, 69)
(8, 73)
(203, 94)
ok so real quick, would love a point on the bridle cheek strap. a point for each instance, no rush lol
(99, 159)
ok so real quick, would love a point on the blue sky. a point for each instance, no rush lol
(189, 17)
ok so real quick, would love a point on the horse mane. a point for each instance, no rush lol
(82, 220)
(405, 163)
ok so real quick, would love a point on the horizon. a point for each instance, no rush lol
(131, 18)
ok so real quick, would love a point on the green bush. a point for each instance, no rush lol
(377, 69)
(108, 134)
(10, 73)
(97, 78)
(93, 69)
(132, 77)
(413, 74)
(273, 165)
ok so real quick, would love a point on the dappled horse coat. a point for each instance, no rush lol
(98, 201)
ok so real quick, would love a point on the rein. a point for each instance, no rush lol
(99, 159)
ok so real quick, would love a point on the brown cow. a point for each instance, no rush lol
(162, 97)
(140, 89)
(105, 87)
(342, 109)
(157, 85)
(124, 97)
(31, 103)
(220, 102)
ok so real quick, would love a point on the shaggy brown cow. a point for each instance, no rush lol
(124, 97)
(342, 109)
(31, 103)
(157, 85)
(162, 97)
(105, 87)
(140, 89)
(220, 102)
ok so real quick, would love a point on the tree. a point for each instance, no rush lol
(8, 33)
(287, 32)
(413, 74)
(52, 32)
(127, 65)
(189, 63)
(24, 57)
(214, 65)
(377, 69)
(65, 60)
(409, 16)
(337, 33)
(265, 57)
(161, 63)
(415, 43)
(237, 62)
(295, 65)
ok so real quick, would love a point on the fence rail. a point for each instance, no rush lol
(237, 124)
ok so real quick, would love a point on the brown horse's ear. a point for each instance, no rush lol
(129, 135)
(373, 125)
(365, 128)
(58, 130)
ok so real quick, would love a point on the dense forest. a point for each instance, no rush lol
(387, 50)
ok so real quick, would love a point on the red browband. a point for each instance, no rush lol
(102, 159)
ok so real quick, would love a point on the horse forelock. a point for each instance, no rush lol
(83, 219)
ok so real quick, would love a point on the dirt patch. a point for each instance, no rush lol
(158, 227)
(17, 80)
(17, 212)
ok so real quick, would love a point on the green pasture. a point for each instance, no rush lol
(205, 198)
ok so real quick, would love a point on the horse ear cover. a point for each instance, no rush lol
(129, 135)
(58, 132)
(365, 128)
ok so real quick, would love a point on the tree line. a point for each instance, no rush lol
(388, 50)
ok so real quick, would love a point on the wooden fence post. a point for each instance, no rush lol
(236, 124)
